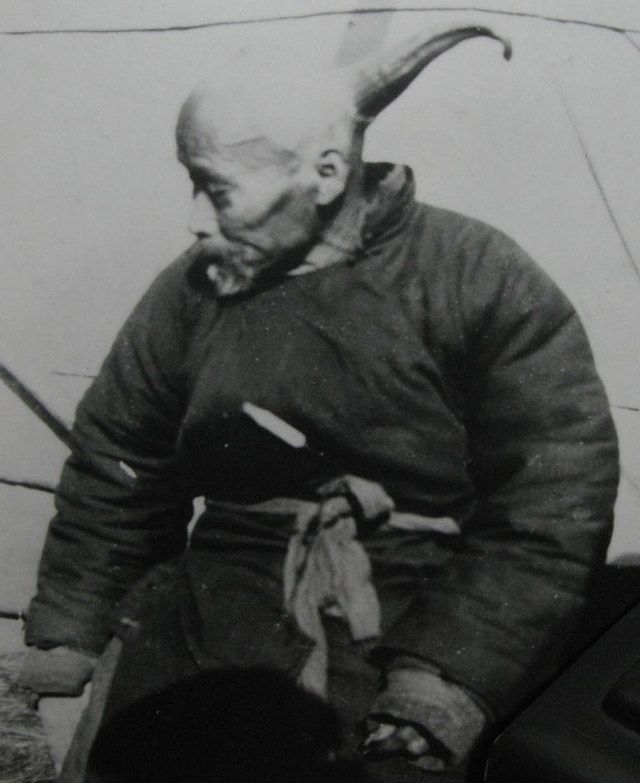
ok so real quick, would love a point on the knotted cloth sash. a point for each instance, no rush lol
(327, 570)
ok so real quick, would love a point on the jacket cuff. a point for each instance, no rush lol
(60, 671)
(47, 626)
(449, 717)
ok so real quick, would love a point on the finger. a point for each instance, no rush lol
(407, 732)
(388, 739)
(418, 746)
(389, 744)
(414, 742)
(380, 733)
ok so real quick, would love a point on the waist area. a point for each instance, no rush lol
(265, 526)
(268, 526)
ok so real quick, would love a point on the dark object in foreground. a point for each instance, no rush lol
(584, 728)
(225, 725)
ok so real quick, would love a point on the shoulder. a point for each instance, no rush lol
(466, 243)
(482, 266)
(481, 286)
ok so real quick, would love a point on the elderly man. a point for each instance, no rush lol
(395, 418)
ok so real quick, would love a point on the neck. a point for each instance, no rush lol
(347, 221)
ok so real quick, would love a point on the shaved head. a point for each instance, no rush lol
(275, 159)
(305, 114)
(308, 113)
(230, 137)
(296, 115)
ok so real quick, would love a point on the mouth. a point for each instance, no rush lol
(228, 268)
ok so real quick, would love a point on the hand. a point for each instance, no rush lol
(387, 739)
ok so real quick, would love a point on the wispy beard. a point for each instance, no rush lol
(229, 268)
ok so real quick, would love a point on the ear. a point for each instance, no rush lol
(332, 172)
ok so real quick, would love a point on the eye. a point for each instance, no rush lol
(219, 196)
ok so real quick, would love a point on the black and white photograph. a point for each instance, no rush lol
(320, 391)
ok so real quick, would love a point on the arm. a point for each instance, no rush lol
(544, 461)
(120, 508)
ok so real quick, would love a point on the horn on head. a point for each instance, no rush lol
(381, 84)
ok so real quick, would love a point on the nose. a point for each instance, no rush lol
(203, 220)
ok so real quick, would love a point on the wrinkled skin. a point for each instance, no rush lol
(253, 205)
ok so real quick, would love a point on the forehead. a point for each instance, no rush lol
(201, 148)
(196, 133)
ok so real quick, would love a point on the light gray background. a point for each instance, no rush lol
(94, 204)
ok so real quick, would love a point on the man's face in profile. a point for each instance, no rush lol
(253, 204)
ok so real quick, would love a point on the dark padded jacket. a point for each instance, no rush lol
(442, 363)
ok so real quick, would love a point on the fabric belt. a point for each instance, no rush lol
(401, 520)
(327, 569)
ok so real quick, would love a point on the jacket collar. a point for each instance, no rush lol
(389, 194)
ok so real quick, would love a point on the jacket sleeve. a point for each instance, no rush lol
(120, 506)
(543, 456)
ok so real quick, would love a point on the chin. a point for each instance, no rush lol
(231, 268)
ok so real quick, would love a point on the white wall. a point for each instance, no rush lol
(93, 203)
